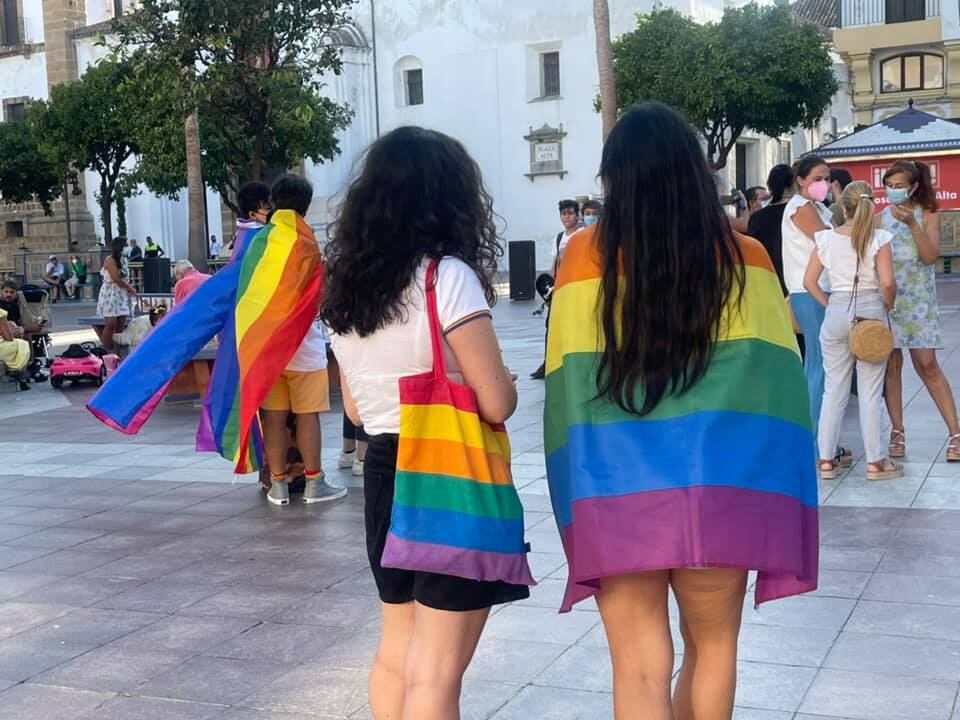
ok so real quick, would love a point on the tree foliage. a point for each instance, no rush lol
(253, 70)
(756, 68)
(102, 123)
(25, 173)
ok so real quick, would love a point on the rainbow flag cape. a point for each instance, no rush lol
(261, 304)
(722, 476)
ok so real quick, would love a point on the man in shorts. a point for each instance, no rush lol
(302, 389)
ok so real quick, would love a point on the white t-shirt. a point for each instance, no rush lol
(374, 365)
(840, 260)
(312, 353)
(55, 269)
(797, 247)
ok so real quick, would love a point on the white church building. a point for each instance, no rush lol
(514, 81)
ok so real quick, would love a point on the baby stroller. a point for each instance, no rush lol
(35, 313)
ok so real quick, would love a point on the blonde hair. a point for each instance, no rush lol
(857, 201)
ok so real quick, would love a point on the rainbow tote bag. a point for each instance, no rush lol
(455, 508)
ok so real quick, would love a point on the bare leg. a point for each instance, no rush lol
(309, 439)
(276, 440)
(441, 648)
(711, 605)
(634, 613)
(929, 370)
(109, 329)
(389, 664)
(893, 389)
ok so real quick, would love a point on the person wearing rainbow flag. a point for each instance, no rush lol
(303, 386)
(673, 382)
(261, 305)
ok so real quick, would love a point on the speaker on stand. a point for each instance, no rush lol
(523, 269)
(156, 275)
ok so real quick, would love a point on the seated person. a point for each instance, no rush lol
(78, 276)
(188, 279)
(14, 352)
(10, 303)
(55, 276)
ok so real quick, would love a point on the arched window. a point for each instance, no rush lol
(915, 71)
(408, 80)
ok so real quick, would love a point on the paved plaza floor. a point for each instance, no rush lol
(139, 581)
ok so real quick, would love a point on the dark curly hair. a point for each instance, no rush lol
(420, 194)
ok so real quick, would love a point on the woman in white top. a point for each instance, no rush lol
(858, 262)
(420, 197)
(805, 216)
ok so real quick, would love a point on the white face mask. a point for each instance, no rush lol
(764, 203)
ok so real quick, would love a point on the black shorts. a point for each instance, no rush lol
(440, 592)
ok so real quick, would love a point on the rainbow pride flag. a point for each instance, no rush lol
(722, 476)
(261, 305)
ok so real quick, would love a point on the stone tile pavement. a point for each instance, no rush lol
(139, 581)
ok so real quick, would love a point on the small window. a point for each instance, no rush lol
(786, 152)
(15, 111)
(413, 80)
(898, 11)
(911, 72)
(550, 74)
(15, 229)
(9, 23)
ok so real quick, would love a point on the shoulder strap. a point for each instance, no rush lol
(433, 316)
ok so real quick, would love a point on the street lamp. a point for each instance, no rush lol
(73, 180)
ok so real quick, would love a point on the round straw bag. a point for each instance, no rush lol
(871, 340)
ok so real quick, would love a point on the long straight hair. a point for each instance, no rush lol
(857, 200)
(669, 260)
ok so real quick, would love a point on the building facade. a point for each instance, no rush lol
(515, 82)
(899, 50)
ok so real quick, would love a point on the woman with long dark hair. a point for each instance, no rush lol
(804, 216)
(673, 382)
(913, 219)
(419, 199)
(117, 295)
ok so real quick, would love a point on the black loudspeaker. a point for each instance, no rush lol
(156, 275)
(523, 269)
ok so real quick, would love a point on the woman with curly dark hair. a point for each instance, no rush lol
(419, 198)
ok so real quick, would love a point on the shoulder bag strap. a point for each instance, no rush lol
(433, 316)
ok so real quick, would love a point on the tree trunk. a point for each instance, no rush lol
(197, 241)
(121, 215)
(106, 205)
(608, 88)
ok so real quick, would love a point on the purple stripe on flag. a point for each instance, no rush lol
(445, 560)
(703, 527)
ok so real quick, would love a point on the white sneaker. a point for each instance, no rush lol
(345, 462)
(358, 468)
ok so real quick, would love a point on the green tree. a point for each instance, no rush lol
(253, 71)
(97, 123)
(25, 173)
(756, 68)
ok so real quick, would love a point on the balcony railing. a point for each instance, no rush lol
(859, 13)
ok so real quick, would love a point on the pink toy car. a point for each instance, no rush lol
(83, 362)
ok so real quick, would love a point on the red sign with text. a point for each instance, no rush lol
(944, 171)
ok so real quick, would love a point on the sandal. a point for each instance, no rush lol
(953, 449)
(887, 470)
(829, 469)
(898, 444)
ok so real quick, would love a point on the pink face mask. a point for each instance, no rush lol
(818, 190)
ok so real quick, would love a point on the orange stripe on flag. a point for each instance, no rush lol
(445, 457)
